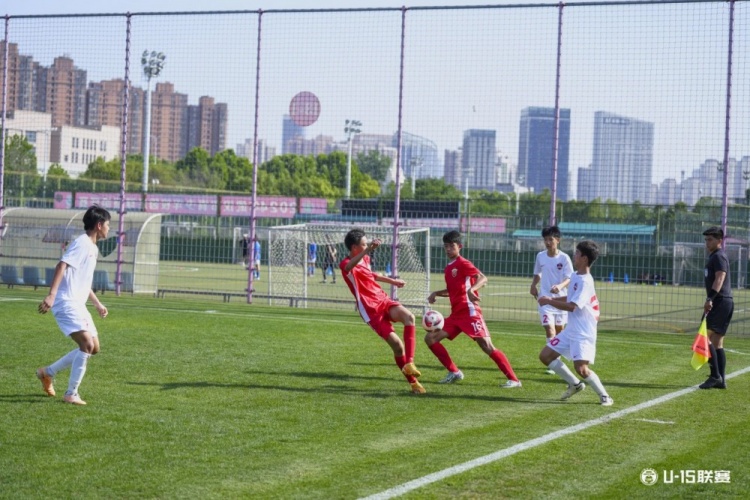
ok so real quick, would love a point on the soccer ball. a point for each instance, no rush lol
(432, 321)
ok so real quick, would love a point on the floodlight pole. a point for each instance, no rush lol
(152, 63)
(351, 128)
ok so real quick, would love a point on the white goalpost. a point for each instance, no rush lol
(689, 260)
(289, 282)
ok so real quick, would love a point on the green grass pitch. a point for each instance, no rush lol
(193, 399)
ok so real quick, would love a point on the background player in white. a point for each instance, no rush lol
(577, 342)
(69, 290)
(552, 268)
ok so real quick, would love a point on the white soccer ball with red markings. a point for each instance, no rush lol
(432, 321)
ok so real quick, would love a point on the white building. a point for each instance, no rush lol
(73, 148)
(37, 128)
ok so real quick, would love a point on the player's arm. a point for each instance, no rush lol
(49, 300)
(560, 286)
(534, 291)
(437, 293)
(558, 303)
(361, 255)
(397, 282)
(99, 306)
(481, 280)
(719, 278)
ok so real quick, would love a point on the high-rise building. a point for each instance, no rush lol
(452, 168)
(479, 161)
(105, 104)
(419, 156)
(65, 93)
(290, 132)
(207, 126)
(622, 161)
(536, 145)
(169, 122)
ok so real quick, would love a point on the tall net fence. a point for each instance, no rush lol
(627, 122)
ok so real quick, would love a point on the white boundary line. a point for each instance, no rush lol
(499, 455)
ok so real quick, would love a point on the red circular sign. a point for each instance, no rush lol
(304, 109)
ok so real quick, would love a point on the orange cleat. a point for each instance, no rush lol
(46, 380)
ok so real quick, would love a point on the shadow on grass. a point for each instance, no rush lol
(24, 398)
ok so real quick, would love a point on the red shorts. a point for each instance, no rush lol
(473, 326)
(380, 318)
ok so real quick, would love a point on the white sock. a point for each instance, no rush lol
(77, 371)
(595, 383)
(563, 372)
(62, 363)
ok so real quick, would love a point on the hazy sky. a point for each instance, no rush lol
(463, 69)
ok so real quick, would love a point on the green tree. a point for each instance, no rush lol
(19, 154)
(374, 164)
(56, 170)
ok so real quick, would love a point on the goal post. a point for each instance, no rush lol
(290, 283)
(689, 260)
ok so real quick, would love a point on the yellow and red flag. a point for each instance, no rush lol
(701, 353)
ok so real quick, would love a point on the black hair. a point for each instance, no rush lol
(93, 216)
(553, 231)
(452, 237)
(588, 249)
(353, 237)
(714, 231)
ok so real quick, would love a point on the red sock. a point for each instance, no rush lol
(502, 362)
(441, 353)
(400, 362)
(410, 342)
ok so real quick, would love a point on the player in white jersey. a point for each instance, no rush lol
(552, 269)
(577, 342)
(69, 291)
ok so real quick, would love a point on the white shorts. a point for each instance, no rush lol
(576, 348)
(549, 315)
(74, 319)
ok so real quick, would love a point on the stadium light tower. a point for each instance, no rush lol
(153, 63)
(351, 128)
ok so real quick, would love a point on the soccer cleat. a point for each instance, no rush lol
(417, 388)
(606, 401)
(74, 399)
(549, 371)
(573, 389)
(712, 383)
(511, 384)
(410, 369)
(453, 377)
(46, 380)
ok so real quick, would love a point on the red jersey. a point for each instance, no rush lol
(371, 298)
(460, 276)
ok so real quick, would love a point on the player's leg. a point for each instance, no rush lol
(550, 357)
(398, 313)
(88, 345)
(717, 323)
(584, 353)
(499, 357)
(384, 329)
(433, 341)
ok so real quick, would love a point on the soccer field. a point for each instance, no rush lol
(191, 399)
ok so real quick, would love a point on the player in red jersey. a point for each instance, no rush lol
(463, 281)
(375, 306)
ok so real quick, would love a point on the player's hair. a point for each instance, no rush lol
(588, 249)
(93, 216)
(452, 237)
(353, 237)
(714, 231)
(553, 231)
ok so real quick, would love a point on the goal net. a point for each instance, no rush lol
(690, 260)
(291, 282)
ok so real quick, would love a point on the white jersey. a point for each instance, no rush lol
(583, 320)
(75, 287)
(553, 270)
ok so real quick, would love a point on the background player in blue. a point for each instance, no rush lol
(719, 305)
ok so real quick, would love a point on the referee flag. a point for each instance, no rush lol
(700, 347)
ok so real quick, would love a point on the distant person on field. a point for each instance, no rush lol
(577, 341)
(245, 242)
(330, 262)
(552, 268)
(312, 258)
(718, 307)
(256, 259)
(69, 290)
(375, 306)
(463, 281)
